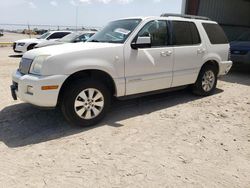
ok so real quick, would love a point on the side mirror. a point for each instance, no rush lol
(141, 42)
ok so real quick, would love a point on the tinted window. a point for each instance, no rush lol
(58, 35)
(158, 32)
(185, 33)
(215, 33)
(116, 31)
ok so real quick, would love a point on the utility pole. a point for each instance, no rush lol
(76, 17)
(29, 30)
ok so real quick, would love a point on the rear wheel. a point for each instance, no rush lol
(85, 102)
(206, 82)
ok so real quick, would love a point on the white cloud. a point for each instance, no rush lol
(77, 2)
(125, 1)
(72, 2)
(32, 5)
(53, 3)
(85, 1)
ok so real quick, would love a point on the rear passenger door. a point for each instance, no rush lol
(188, 50)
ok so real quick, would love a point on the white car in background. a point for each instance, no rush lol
(81, 36)
(25, 45)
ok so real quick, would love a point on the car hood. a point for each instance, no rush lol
(240, 44)
(67, 48)
(49, 43)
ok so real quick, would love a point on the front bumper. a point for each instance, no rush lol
(224, 67)
(19, 49)
(38, 97)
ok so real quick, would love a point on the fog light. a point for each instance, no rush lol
(30, 90)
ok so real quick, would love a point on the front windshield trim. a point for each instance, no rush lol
(44, 36)
(94, 39)
(69, 38)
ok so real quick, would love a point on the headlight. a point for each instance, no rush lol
(21, 44)
(37, 64)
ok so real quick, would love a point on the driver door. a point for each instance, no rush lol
(148, 69)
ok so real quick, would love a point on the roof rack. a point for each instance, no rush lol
(185, 16)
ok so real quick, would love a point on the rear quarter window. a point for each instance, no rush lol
(185, 33)
(215, 33)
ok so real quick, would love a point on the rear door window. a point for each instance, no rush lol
(185, 33)
(215, 33)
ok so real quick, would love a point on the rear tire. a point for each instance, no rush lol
(206, 82)
(85, 102)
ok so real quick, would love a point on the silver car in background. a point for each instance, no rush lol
(81, 36)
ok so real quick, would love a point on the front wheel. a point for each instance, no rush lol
(85, 102)
(206, 82)
(30, 47)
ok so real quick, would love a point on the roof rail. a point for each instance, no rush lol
(185, 16)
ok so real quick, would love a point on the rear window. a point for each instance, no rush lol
(185, 33)
(215, 33)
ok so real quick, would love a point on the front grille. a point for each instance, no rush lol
(24, 65)
(14, 46)
(15, 84)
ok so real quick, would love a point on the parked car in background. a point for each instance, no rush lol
(240, 49)
(1, 33)
(82, 36)
(127, 58)
(24, 45)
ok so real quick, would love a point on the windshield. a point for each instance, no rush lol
(244, 37)
(116, 31)
(70, 37)
(44, 36)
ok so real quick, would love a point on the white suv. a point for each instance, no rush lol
(25, 45)
(129, 57)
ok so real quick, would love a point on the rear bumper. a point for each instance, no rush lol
(38, 97)
(224, 67)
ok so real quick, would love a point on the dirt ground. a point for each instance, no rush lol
(12, 37)
(167, 140)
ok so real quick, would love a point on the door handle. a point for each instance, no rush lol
(166, 53)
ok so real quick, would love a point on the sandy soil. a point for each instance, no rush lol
(168, 140)
(12, 37)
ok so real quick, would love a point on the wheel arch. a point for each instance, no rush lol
(31, 44)
(214, 63)
(209, 62)
(105, 77)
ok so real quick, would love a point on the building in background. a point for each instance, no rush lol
(232, 15)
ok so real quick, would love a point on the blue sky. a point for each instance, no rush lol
(90, 12)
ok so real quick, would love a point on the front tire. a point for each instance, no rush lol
(30, 47)
(206, 82)
(85, 102)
